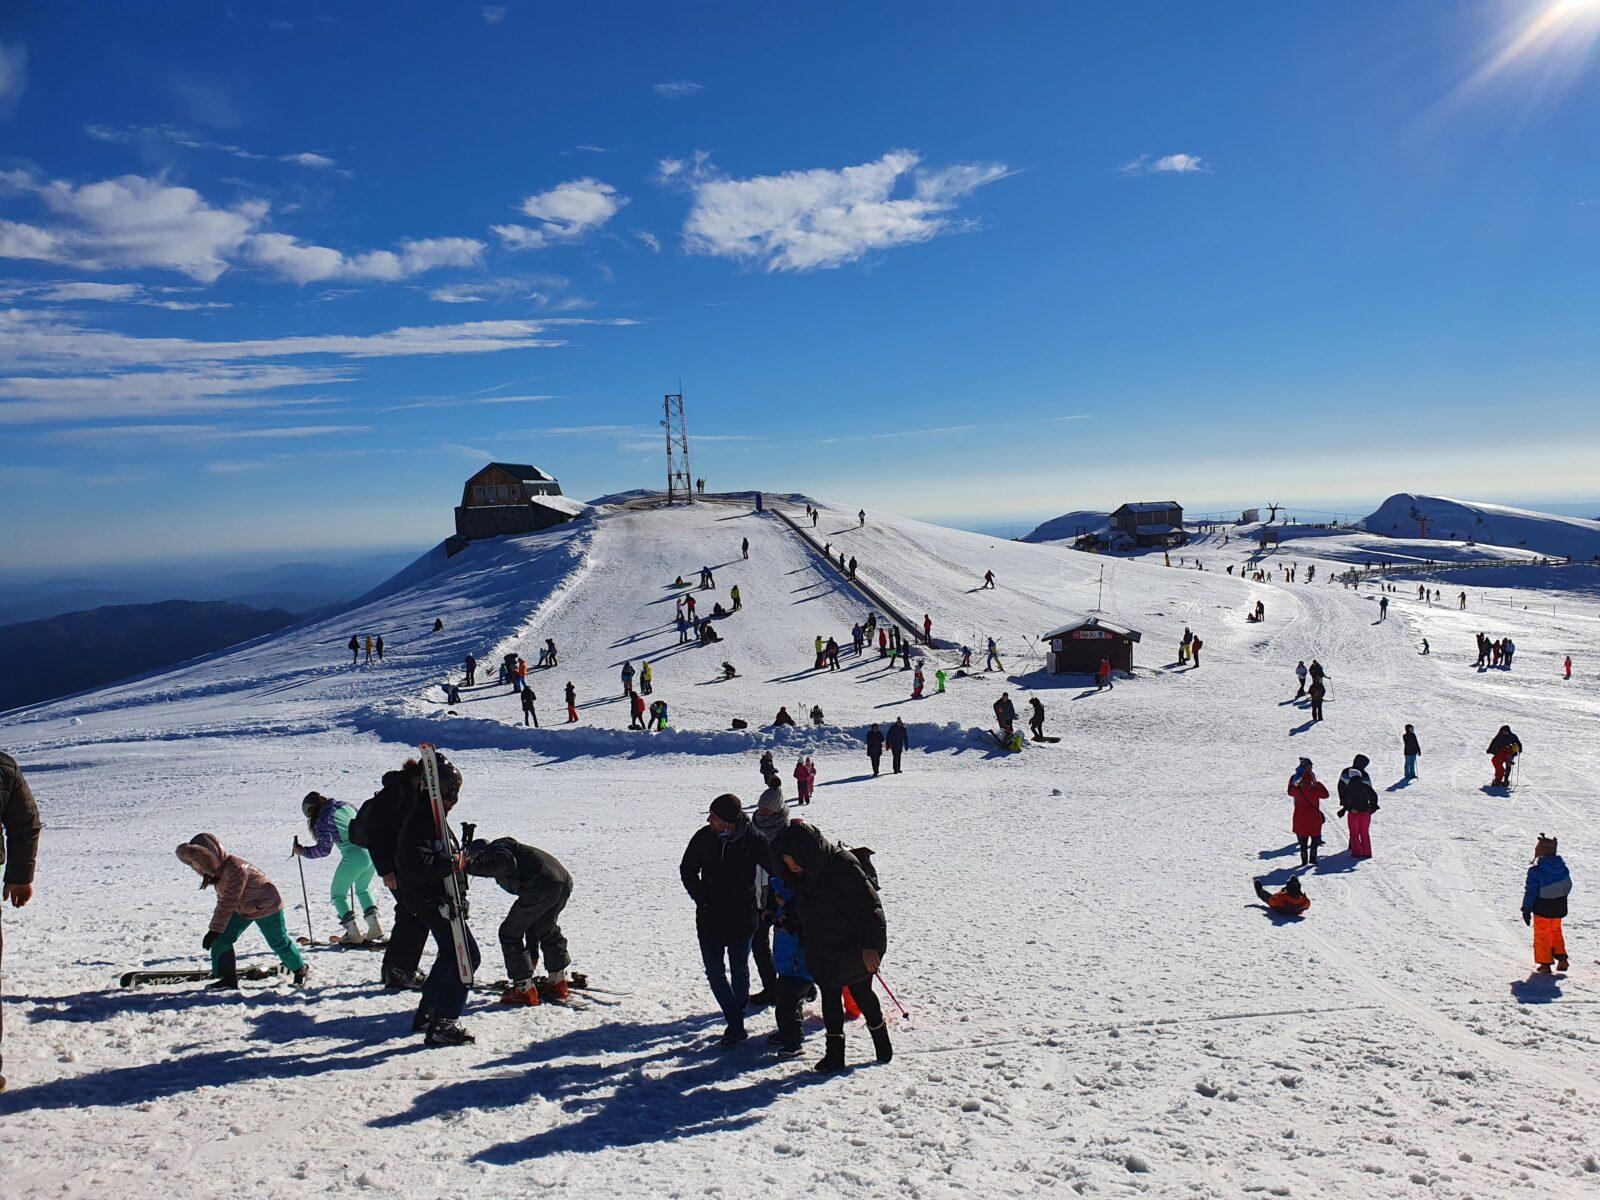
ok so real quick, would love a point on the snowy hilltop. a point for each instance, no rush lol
(1068, 526)
(1490, 524)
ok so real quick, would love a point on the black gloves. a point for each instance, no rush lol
(205, 942)
(1527, 916)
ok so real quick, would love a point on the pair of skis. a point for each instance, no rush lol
(454, 908)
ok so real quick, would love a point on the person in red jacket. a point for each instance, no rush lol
(1291, 902)
(1308, 792)
(927, 629)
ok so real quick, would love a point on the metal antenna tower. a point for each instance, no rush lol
(680, 482)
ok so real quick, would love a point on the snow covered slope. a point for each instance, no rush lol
(1068, 526)
(1097, 1001)
(1495, 524)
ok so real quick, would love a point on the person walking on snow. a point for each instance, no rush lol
(861, 519)
(1411, 748)
(1566, 668)
(245, 897)
(683, 628)
(636, 711)
(355, 651)
(744, 548)
(572, 703)
(1183, 646)
(927, 629)
(1300, 674)
(471, 665)
(329, 822)
(532, 928)
(897, 741)
(1383, 608)
(1036, 718)
(883, 642)
(733, 594)
(1507, 649)
(1503, 750)
(1102, 675)
(1358, 800)
(1308, 792)
(804, 774)
(1194, 651)
(529, 713)
(1544, 904)
(369, 649)
(1318, 692)
(378, 646)
(874, 746)
(627, 678)
(1005, 712)
(521, 680)
(993, 663)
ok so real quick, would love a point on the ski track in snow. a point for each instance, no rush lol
(1098, 1002)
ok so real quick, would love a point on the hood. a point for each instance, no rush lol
(492, 859)
(806, 845)
(204, 853)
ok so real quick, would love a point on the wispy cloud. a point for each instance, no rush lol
(302, 263)
(806, 220)
(128, 134)
(199, 433)
(13, 76)
(1179, 164)
(649, 239)
(899, 433)
(1075, 417)
(678, 88)
(547, 291)
(564, 214)
(458, 401)
(493, 14)
(105, 293)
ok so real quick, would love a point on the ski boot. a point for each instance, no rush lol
(403, 981)
(880, 1040)
(733, 1035)
(352, 935)
(832, 1062)
(554, 986)
(301, 974)
(446, 1031)
(521, 993)
(374, 929)
(226, 970)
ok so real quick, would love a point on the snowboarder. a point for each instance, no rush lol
(1036, 719)
(1544, 904)
(19, 841)
(783, 717)
(842, 932)
(423, 861)
(897, 741)
(355, 651)
(529, 713)
(874, 746)
(329, 822)
(1290, 902)
(245, 897)
(988, 580)
(1318, 693)
(572, 703)
(1358, 800)
(1503, 750)
(1411, 748)
(718, 871)
(1300, 674)
(1005, 713)
(532, 929)
(1308, 792)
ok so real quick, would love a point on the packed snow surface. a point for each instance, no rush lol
(1097, 1001)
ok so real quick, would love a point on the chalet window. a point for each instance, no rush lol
(501, 493)
(477, 493)
(516, 491)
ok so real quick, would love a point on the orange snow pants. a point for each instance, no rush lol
(1548, 944)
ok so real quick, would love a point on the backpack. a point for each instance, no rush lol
(864, 856)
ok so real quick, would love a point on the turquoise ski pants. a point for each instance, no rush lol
(355, 870)
(273, 928)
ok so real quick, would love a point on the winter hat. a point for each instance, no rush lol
(1360, 762)
(1293, 886)
(727, 807)
(204, 853)
(1545, 847)
(771, 801)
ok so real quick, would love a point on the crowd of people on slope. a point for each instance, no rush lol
(372, 645)
(1497, 652)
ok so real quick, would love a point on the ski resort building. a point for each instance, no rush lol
(507, 498)
(1077, 649)
(1150, 522)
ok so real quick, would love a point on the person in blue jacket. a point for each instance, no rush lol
(788, 959)
(1544, 904)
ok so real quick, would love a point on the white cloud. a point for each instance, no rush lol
(198, 433)
(649, 239)
(190, 141)
(67, 293)
(805, 220)
(105, 293)
(678, 88)
(565, 213)
(153, 393)
(307, 158)
(495, 13)
(1181, 164)
(295, 260)
(13, 76)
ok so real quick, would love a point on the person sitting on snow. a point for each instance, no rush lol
(727, 671)
(783, 718)
(1291, 902)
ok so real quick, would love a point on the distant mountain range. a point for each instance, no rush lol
(1068, 526)
(1491, 524)
(75, 651)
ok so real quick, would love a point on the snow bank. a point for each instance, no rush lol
(1494, 524)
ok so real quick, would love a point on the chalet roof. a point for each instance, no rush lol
(1132, 635)
(1151, 505)
(561, 504)
(522, 471)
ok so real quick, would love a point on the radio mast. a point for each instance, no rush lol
(680, 482)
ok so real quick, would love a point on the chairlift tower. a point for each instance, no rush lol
(680, 480)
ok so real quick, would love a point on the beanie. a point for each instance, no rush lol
(727, 807)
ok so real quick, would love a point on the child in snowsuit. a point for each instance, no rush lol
(245, 897)
(1503, 750)
(1308, 792)
(329, 821)
(532, 928)
(1544, 904)
(1291, 902)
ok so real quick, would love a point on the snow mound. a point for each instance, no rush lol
(1493, 524)
(1069, 525)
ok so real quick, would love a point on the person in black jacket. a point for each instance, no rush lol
(532, 928)
(423, 861)
(19, 841)
(376, 829)
(1358, 800)
(896, 741)
(719, 873)
(1411, 748)
(842, 932)
(1036, 719)
(875, 746)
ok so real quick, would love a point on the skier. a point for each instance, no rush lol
(728, 671)
(783, 717)
(1503, 749)
(572, 703)
(329, 822)
(378, 646)
(627, 678)
(744, 548)
(1308, 792)
(1411, 748)
(1300, 674)
(897, 741)
(939, 678)
(1358, 800)
(355, 651)
(874, 746)
(966, 656)
(423, 861)
(993, 663)
(636, 711)
(1102, 676)
(19, 842)
(471, 665)
(376, 829)
(532, 928)
(1318, 693)
(718, 870)
(1544, 904)
(245, 897)
(1036, 720)
(529, 713)
(988, 579)
(842, 932)
(1315, 670)
(1291, 902)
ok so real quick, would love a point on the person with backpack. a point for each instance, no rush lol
(1308, 792)
(897, 741)
(245, 897)
(1503, 750)
(1544, 904)
(329, 822)
(1194, 651)
(874, 746)
(1411, 748)
(532, 928)
(376, 829)
(842, 931)
(627, 678)
(1358, 800)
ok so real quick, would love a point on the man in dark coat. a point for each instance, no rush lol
(423, 861)
(19, 847)
(875, 746)
(532, 928)
(897, 742)
(719, 873)
(842, 932)
(376, 829)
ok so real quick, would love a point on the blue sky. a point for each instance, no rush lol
(280, 277)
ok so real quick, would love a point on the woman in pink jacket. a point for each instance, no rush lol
(245, 897)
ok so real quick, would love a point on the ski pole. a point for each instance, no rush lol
(305, 897)
(879, 976)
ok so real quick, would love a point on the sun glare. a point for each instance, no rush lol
(1555, 41)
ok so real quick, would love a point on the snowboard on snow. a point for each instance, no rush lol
(454, 907)
(133, 979)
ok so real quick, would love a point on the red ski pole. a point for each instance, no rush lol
(903, 1012)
